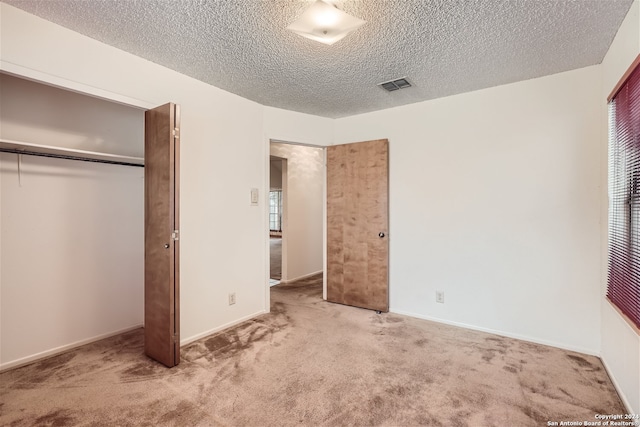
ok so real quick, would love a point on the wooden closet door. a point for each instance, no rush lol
(161, 269)
(357, 224)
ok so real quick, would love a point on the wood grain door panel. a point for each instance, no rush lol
(357, 212)
(161, 291)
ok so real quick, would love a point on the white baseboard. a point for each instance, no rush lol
(623, 397)
(54, 351)
(196, 337)
(302, 277)
(588, 351)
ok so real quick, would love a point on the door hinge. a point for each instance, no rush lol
(174, 235)
(176, 132)
(174, 338)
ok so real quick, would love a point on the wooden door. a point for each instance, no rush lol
(357, 224)
(161, 263)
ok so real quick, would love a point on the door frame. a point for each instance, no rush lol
(265, 216)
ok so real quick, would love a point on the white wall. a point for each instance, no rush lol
(494, 199)
(302, 229)
(291, 126)
(72, 232)
(223, 238)
(620, 343)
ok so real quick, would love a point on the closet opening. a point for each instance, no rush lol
(71, 232)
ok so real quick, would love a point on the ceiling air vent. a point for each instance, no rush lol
(396, 84)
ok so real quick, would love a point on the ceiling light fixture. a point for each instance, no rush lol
(325, 23)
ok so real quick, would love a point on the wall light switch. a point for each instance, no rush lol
(254, 196)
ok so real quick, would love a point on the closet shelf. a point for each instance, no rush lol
(27, 148)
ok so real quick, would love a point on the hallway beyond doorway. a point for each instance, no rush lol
(275, 254)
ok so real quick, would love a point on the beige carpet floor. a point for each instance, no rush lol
(310, 362)
(275, 255)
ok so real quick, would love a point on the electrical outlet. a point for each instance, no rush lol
(232, 298)
(440, 297)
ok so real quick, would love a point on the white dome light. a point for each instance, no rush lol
(325, 23)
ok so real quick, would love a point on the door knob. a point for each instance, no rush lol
(381, 234)
(166, 246)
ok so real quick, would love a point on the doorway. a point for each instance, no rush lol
(356, 227)
(75, 228)
(66, 167)
(277, 175)
(296, 211)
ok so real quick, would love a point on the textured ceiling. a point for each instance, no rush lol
(444, 47)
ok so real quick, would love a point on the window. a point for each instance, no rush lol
(275, 210)
(623, 287)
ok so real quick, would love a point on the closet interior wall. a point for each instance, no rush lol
(71, 232)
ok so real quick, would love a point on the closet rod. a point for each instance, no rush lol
(68, 157)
